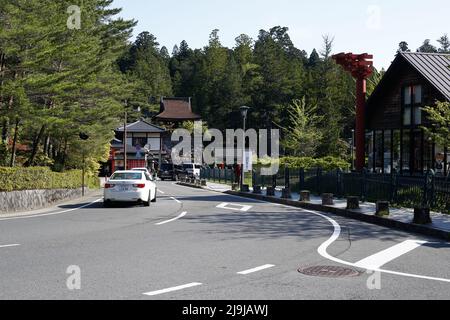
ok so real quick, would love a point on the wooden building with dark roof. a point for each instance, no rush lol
(176, 110)
(395, 140)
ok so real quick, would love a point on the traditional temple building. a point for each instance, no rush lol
(144, 145)
(395, 140)
(174, 111)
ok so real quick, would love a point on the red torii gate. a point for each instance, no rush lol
(360, 66)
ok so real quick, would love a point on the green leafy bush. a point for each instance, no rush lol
(327, 163)
(35, 178)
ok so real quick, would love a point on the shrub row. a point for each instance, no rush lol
(38, 178)
(327, 163)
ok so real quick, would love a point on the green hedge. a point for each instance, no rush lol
(327, 163)
(35, 178)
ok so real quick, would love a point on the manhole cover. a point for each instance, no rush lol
(329, 272)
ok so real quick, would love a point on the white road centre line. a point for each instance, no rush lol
(178, 288)
(264, 267)
(383, 257)
(9, 245)
(171, 220)
(52, 213)
(234, 206)
(162, 192)
(176, 200)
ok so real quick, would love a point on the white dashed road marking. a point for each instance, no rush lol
(383, 257)
(9, 245)
(162, 192)
(234, 207)
(185, 286)
(264, 267)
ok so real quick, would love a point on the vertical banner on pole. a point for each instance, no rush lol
(248, 161)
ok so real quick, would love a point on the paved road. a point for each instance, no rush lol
(197, 244)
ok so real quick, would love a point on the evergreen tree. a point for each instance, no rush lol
(427, 47)
(403, 47)
(444, 41)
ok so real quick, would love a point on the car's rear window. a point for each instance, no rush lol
(166, 166)
(187, 166)
(126, 176)
(197, 166)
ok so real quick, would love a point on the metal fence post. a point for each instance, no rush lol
(363, 185)
(302, 179)
(428, 189)
(287, 182)
(318, 180)
(393, 189)
(339, 182)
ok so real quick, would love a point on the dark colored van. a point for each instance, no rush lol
(169, 171)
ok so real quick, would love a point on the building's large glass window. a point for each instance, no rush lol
(427, 153)
(387, 151)
(417, 147)
(417, 92)
(439, 158)
(412, 104)
(396, 150)
(379, 151)
(406, 147)
(369, 150)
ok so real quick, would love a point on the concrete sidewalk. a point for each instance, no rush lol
(400, 218)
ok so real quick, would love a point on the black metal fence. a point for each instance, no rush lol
(402, 190)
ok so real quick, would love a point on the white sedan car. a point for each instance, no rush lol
(129, 186)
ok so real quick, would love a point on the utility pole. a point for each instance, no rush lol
(125, 138)
(83, 137)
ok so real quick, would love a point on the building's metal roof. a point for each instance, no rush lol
(435, 67)
(142, 126)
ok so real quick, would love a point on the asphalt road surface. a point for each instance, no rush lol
(200, 245)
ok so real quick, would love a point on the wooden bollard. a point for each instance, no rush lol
(257, 190)
(270, 192)
(286, 194)
(305, 196)
(352, 203)
(327, 199)
(382, 208)
(422, 215)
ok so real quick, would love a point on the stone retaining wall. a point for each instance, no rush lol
(27, 200)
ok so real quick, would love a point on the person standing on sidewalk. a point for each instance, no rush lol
(237, 173)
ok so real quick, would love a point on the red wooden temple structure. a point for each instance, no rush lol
(361, 67)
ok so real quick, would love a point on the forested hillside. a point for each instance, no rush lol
(56, 82)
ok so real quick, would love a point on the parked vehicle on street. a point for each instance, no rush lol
(130, 186)
(192, 169)
(142, 169)
(170, 171)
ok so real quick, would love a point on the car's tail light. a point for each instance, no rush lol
(139, 185)
(109, 186)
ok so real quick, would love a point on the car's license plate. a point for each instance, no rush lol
(124, 188)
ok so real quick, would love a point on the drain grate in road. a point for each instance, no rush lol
(329, 272)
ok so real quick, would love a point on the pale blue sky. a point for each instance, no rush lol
(374, 26)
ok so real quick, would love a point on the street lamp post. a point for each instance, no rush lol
(84, 137)
(244, 112)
